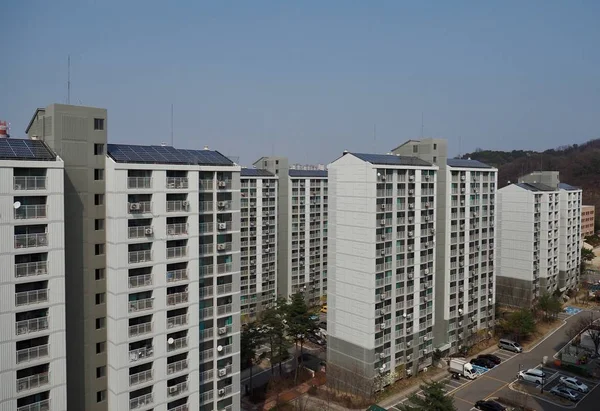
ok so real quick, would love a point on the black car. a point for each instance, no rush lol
(489, 405)
(491, 357)
(482, 362)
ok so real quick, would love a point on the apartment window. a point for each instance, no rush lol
(99, 224)
(99, 249)
(99, 274)
(101, 396)
(100, 347)
(434, 146)
(100, 298)
(98, 149)
(98, 174)
(277, 171)
(98, 124)
(101, 371)
(434, 159)
(415, 149)
(277, 162)
(98, 199)
(100, 323)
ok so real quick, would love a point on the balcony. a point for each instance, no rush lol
(226, 350)
(144, 280)
(206, 228)
(224, 289)
(204, 397)
(177, 275)
(137, 183)
(140, 329)
(206, 354)
(141, 305)
(31, 297)
(177, 182)
(33, 381)
(224, 309)
(206, 291)
(206, 185)
(139, 207)
(32, 353)
(207, 270)
(206, 376)
(30, 212)
(205, 206)
(141, 377)
(177, 229)
(31, 326)
(140, 231)
(28, 183)
(141, 354)
(142, 256)
(141, 402)
(178, 206)
(178, 366)
(31, 240)
(177, 389)
(224, 268)
(206, 334)
(176, 252)
(31, 269)
(225, 391)
(43, 405)
(178, 344)
(177, 298)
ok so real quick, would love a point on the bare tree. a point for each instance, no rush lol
(587, 326)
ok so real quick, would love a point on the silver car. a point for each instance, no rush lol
(574, 384)
(565, 393)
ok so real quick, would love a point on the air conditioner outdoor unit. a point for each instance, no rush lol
(426, 176)
(222, 184)
(221, 392)
(265, 184)
(426, 218)
(410, 276)
(381, 355)
(382, 252)
(461, 251)
(427, 205)
(462, 178)
(171, 231)
(220, 247)
(411, 178)
(222, 330)
(222, 226)
(222, 372)
(411, 206)
(383, 237)
(382, 297)
(382, 312)
(433, 231)
(267, 250)
(383, 206)
(427, 271)
(173, 389)
(382, 326)
(135, 206)
(409, 356)
(222, 204)
(410, 234)
(185, 204)
(462, 202)
(382, 222)
(410, 219)
(148, 231)
(411, 192)
(243, 194)
(410, 248)
(382, 178)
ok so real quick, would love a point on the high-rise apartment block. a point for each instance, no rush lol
(302, 228)
(588, 220)
(258, 287)
(465, 244)
(382, 265)
(33, 371)
(540, 230)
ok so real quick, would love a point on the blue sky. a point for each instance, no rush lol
(309, 79)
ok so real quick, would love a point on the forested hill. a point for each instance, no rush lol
(579, 165)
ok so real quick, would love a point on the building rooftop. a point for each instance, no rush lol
(308, 173)
(255, 172)
(126, 153)
(568, 187)
(466, 163)
(391, 160)
(25, 149)
(535, 187)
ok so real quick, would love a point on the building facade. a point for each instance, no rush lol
(381, 277)
(302, 228)
(32, 281)
(569, 257)
(258, 286)
(465, 242)
(588, 219)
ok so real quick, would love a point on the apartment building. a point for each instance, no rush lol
(258, 286)
(465, 241)
(302, 228)
(383, 255)
(588, 218)
(538, 246)
(32, 280)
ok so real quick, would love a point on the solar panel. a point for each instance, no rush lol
(11, 148)
(165, 155)
(466, 163)
(387, 159)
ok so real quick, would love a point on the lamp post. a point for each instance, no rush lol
(544, 360)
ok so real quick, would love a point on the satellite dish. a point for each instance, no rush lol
(17, 205)
(170, 341)
(219, 348)
(404, 315)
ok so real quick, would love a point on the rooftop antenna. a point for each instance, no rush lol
(172, 125)
(69, 79)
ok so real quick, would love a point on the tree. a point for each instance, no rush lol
(434, 399)
(273, 326)
(520, 323)
(299, 324)
(587, 255)
(550, 305)
(588, 326)
(252, 337)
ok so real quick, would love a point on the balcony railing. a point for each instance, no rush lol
(43, 405)
(31, 297)
(178, 344)
(31, 326)
(177, 182)
(207, 270)
(205, 397)
(178, 389)
(205, 206)
(141, 305)
(177, 275)
(29, 183)
(144, 280)
(206, 291)
(178, 366)
(207, 333)
(182, 407)
(178, 206)
(31, 269)
(176, 252)
(31, 240)
(224, 309)
(206, 228)
(32, 353)
(141, 402)
(139, 207)
(136, 257)
(206, 376)
(224, 289)
(139, 182)
(28, 212)
(206, 354)
(33, 381)
(224, 268)
(141, 377)
(141, 354)
(177, 298)
(140, 231)
(177, 229)
(206, 185)
(140, 329)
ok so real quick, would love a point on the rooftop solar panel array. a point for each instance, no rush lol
(255, 172)
(307, 173)
(22, 149)
(567, 187)
(391, 160)
(466, 163)
(126, 153)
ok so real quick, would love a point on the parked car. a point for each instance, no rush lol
(489, 405)
(565, 392)
(532, 375)
(510, 345)
(482, 362)
(574, 384)
(313, 317)
(491, 357)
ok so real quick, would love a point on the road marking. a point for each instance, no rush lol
(463, 400)
(495, 379)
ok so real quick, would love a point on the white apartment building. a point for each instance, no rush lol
(538, 254)
(32, 308)
(381, 276)
(302, 228)
(258, 287)
(172, 279)
(465, 242)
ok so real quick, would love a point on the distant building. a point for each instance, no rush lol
(588, 215)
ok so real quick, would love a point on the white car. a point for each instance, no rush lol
(532, 375)
(574, 384)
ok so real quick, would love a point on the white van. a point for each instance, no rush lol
(510, 345)
(532, 375)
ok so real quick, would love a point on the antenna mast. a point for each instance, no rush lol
(172, 125)
(69, 79)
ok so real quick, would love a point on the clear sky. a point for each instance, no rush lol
(308, 79)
